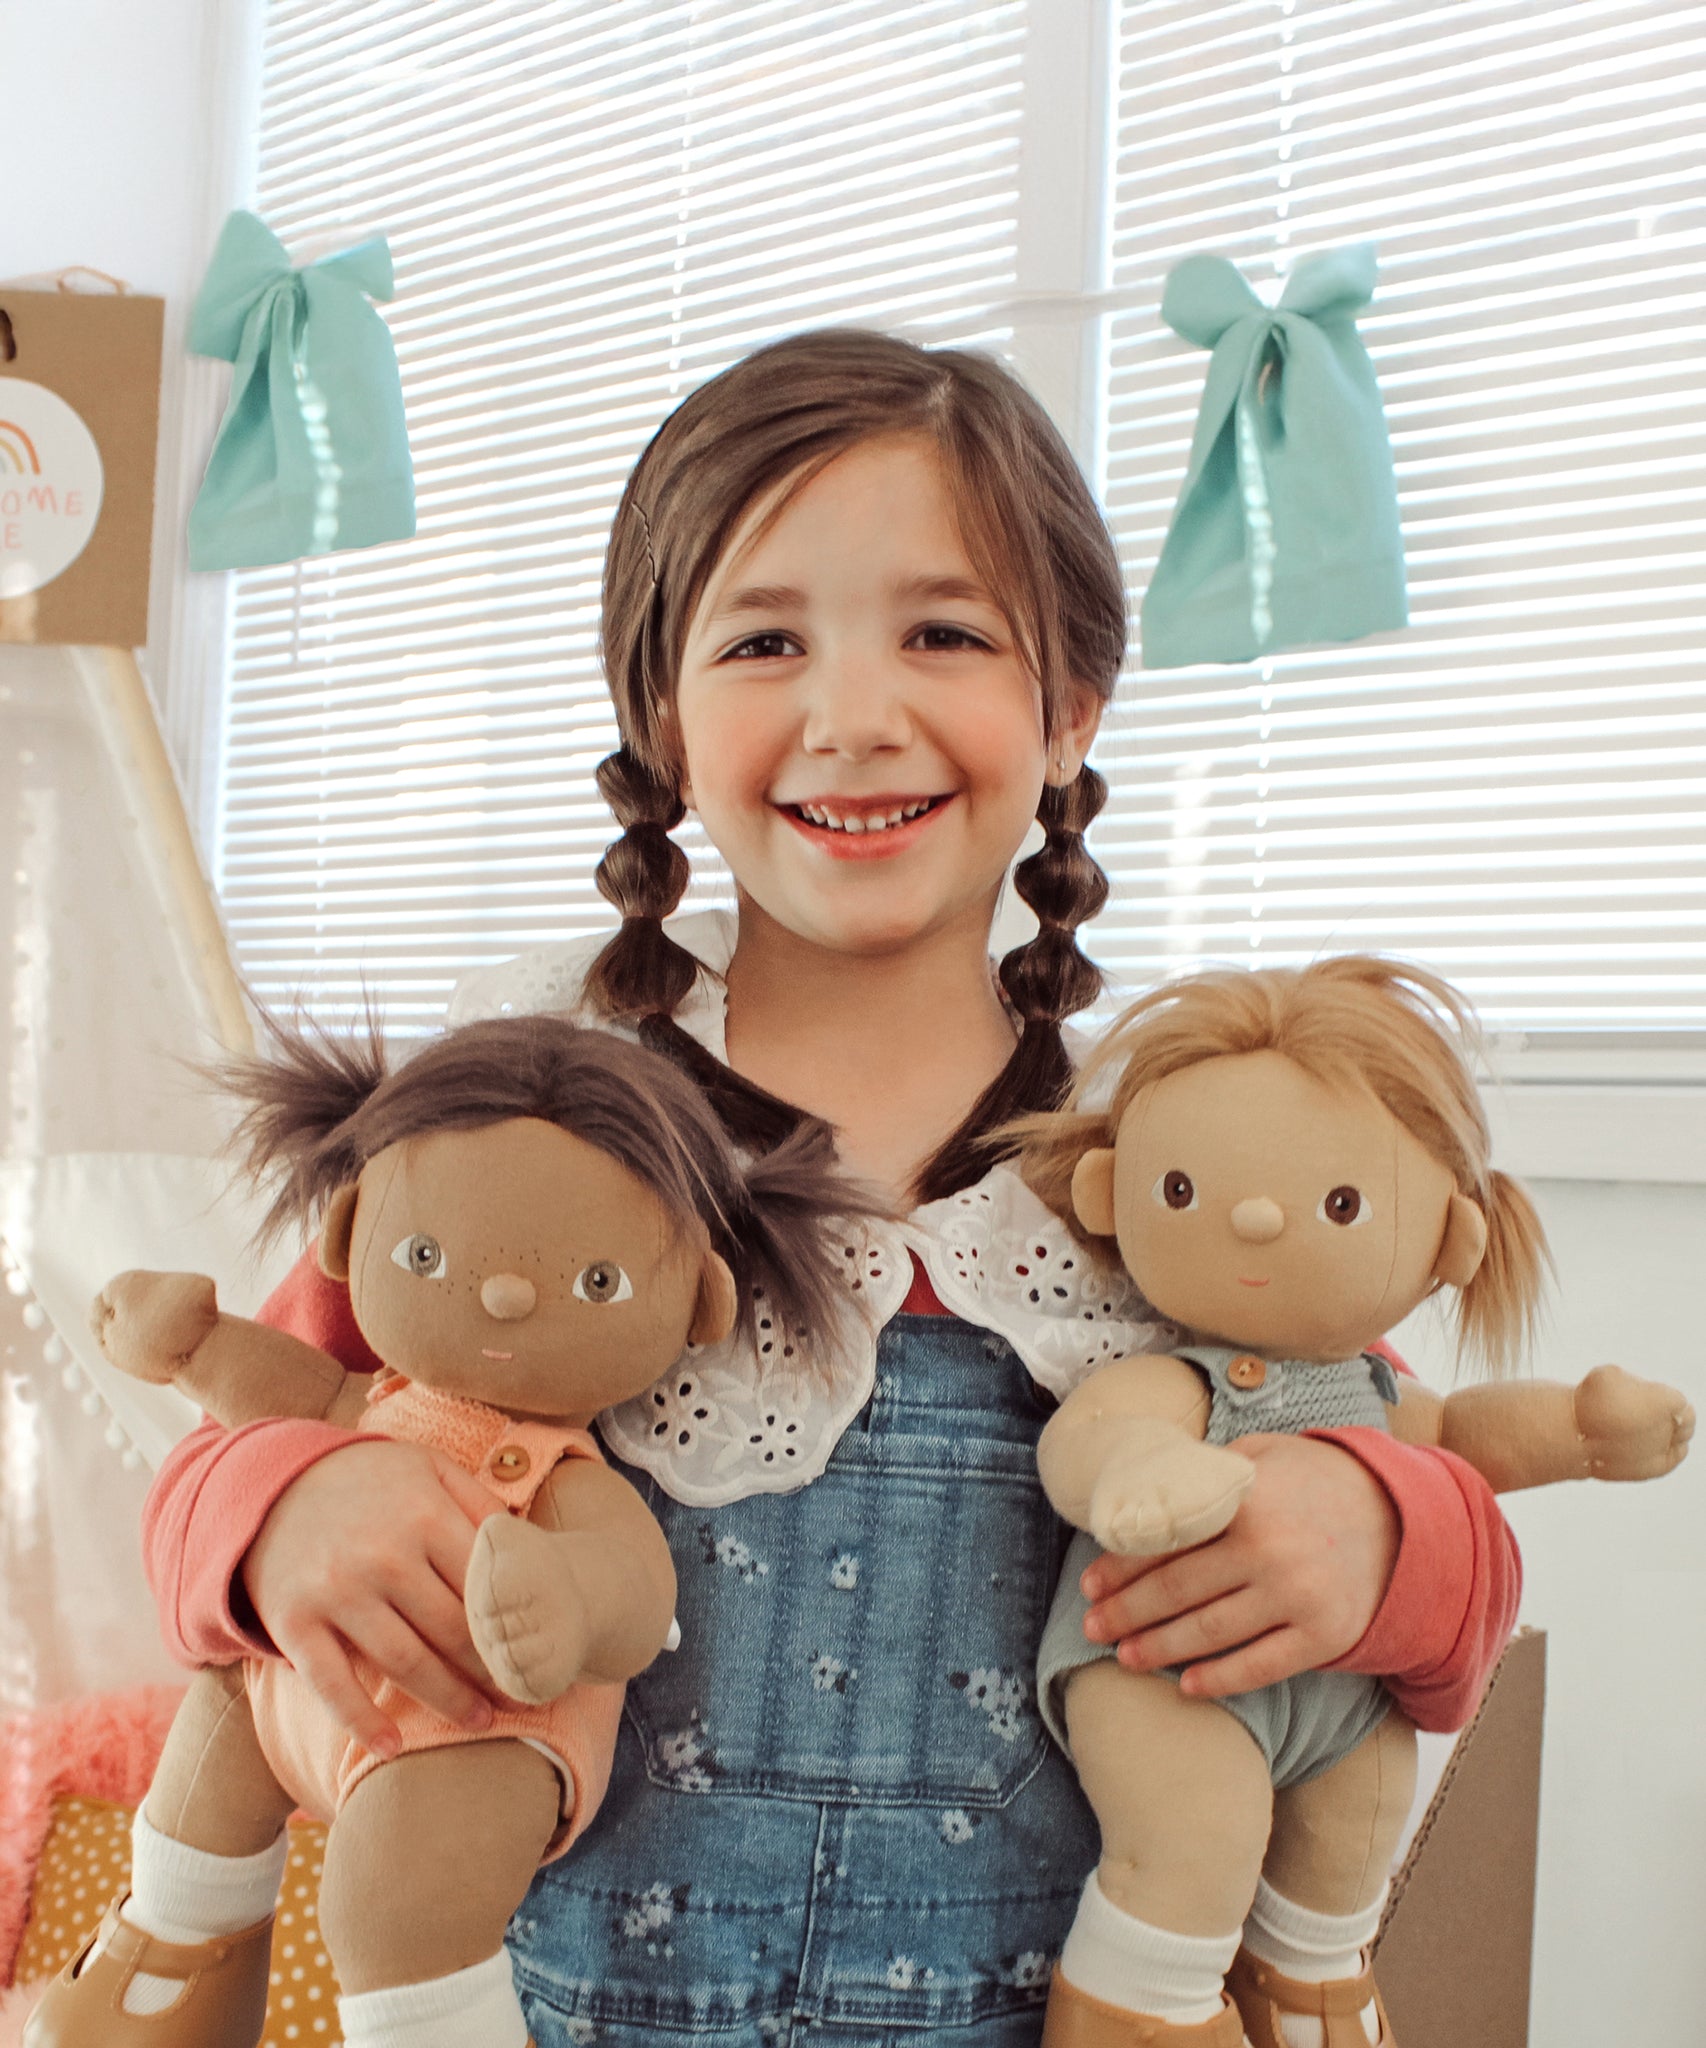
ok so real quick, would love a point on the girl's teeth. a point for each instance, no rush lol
(857, 821)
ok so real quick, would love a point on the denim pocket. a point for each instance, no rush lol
(871, 1639)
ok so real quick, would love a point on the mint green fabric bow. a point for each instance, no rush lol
(1286, 530)
(313, 452)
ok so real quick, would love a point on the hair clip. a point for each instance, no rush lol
(646, 528)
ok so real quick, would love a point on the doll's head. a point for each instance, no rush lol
(1293, 1159)
(731, 463)
(535, 1214)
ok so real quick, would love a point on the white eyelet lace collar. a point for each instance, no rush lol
(742, 1418)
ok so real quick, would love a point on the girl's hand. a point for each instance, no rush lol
(1291, 1585)
(367, 1551)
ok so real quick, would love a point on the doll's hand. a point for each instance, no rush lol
(1631, 1428)
(525, 1613)
(1168, 1497)
(1291, 1584)
(147, 1324)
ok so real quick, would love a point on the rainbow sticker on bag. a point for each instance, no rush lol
(51, 484)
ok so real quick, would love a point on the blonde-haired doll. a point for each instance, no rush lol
(1291, 1161)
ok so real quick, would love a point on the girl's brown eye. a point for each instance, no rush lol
(1175, 1189)
(1344, 1206)
(603, 1281)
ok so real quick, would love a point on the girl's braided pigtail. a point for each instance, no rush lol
(1046, 980)
(642, 972)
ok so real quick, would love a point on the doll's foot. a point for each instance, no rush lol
(524, 1610)
(1076, 2020)
(1168, 1499)
(222, 2002)
(1348, 2011)
(1631, 1428)
(148, 1324)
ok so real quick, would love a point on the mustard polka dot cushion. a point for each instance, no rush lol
(85, 1863)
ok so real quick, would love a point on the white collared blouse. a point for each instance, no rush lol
(747, 1416)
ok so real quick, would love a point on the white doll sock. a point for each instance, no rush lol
(1113, 1956)
(189, 1895)
(1315, 1948)
(474, 2008)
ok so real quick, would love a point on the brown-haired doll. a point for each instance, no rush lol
(1289, 1162)
(534, 1219)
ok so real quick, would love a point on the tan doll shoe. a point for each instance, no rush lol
(1262, 1994)
(223, 2003)
(1076, 2020)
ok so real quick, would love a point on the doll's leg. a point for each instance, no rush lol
(1301, 1981)
(1182, 1795)
(182, 1962)
(424, 1866)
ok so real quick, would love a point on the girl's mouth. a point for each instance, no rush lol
(865, 829)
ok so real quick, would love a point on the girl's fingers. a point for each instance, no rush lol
(324, 1661)
(1173, 1587)
(1205, 1631)
(388, 1641)
(437, 1616)
(1281, 1653)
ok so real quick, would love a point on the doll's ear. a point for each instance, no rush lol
(1465, 1244)
(1093, 1191)
(714, 1311)
(336, 1231)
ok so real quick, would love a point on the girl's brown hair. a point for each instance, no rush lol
(1033, 533)
(1359, 1021)
(320, 1106)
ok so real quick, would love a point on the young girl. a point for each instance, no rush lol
(862, 615)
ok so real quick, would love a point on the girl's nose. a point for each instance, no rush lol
(507, 1297)
(855, 709)
(1258, 1220)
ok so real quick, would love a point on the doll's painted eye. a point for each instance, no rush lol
(603, 1280)
(1177, 1190)
(421, 1255)
(1344, 1206)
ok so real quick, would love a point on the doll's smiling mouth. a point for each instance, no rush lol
(1242, 1282)
(502, 1355)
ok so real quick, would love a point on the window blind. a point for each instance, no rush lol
(1515, 788)
(592, 208)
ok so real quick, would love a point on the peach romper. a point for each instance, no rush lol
(313, 1756)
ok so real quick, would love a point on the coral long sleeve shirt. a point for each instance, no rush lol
(1448, 1610)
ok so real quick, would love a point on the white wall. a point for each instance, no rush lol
(127, 138)
(125, 144)
(1617, 1576)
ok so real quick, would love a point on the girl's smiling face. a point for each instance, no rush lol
(864, 741)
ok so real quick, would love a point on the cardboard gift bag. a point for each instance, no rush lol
(79, 420)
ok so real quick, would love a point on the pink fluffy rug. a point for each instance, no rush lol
(104, 1747)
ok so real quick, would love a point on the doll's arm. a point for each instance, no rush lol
(167, 1328)
(1537, 1432)
(584, 1589)
(1124, 1458)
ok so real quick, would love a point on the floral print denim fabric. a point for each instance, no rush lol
(835, 1816)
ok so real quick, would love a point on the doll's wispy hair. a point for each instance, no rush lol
(1358, 1021)
(320, 1104)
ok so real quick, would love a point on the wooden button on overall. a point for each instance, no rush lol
(1247, 1371)
(512, 1462)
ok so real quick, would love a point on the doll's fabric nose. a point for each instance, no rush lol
(1258, 1220)
(508, 1297)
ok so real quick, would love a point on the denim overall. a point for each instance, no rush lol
(835, 1816)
